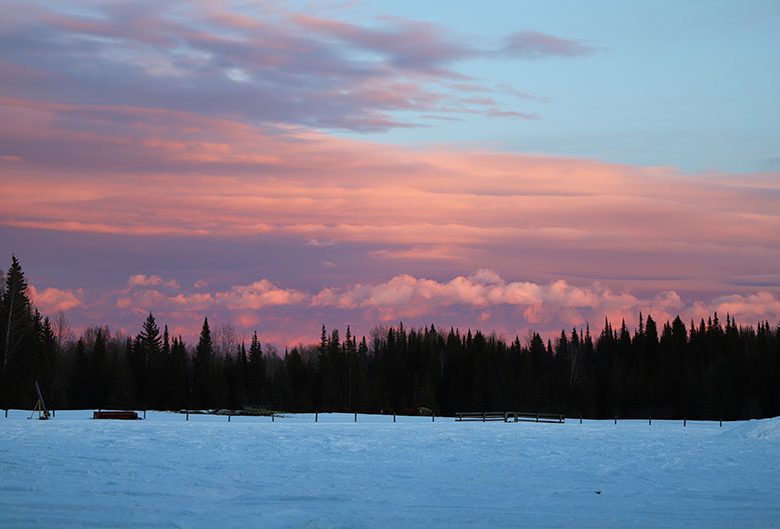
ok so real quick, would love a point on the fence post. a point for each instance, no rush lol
(228, 417)
(615, 419)
(483, 416)
(721, 423)
(272, 417)
(433, 417)
(650, 421)
(355, 416)
(316, 416)
(6, 413)
(393, 416)
(144, 414)
(685, 422)
(580, 419)
(188, 415)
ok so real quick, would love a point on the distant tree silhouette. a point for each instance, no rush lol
(705, 370)
(203, 380)
(256, 377)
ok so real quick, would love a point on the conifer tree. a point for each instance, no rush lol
(48, 352)
(179, 379)
(99, 379)
(16, 338)
(80, 388)
(152, 343)
(323, 379)
(202, 379)
(257, 372)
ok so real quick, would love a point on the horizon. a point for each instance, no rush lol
(242, 336)
(282, 166)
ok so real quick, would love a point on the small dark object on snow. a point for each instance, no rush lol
(121, 415)
(597, 491)
(40, 406)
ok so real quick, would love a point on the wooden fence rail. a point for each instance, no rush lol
(507, 416)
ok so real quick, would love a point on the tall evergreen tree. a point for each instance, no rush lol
(152, 342)
(203, 379)
(45, 359)
(99, 377)
(257, 372)
(17, 339)
(80, 387)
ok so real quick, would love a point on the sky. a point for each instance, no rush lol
(502, 165)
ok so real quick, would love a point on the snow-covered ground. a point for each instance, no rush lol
(73, 472)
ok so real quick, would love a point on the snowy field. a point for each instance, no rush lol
(73, 472)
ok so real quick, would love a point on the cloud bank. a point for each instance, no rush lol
(140, 171)
(133, 131)
(255, 62)
(483, 298)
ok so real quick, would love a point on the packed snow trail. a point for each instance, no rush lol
(165, 472)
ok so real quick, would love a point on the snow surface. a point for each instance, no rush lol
(165, 472)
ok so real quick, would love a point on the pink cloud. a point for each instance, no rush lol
(258, 295)
(417, 253)
(747, 308)
(150, 299)
(52, 300)
(405, 295)
(458, 207)
(408, 44)
(141, 280)
(216, 142)
(144, 293)
(484, 298)
(534, 45)
(273, 65)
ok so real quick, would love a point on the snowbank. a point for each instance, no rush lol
(74, 472)
(767, 429)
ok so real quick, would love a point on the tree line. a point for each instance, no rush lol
(700, 371)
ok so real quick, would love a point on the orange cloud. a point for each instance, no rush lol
(51, 300)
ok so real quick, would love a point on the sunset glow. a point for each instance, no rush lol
(280, 166)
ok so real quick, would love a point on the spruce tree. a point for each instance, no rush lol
(202, 376)
(48, 351)
(16, 339)
(179, 379)
(257, 372)
(322, 399)
(152, 344)
(99, 378)
(80, 387)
